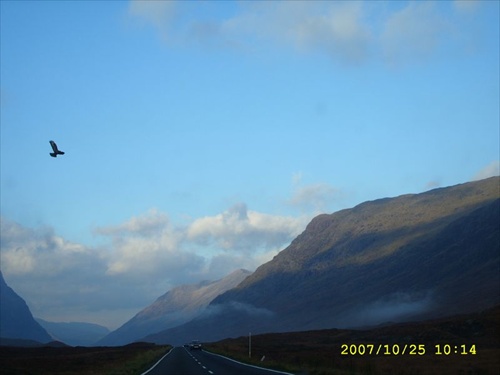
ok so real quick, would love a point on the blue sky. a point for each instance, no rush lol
(201, 137)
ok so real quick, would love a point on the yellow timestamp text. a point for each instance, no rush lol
(407, 349)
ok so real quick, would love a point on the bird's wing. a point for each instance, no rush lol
(54, 146)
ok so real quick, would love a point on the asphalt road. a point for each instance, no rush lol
(182, 361)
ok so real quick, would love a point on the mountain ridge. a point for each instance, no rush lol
(408, 212)
(74, 333)
(335, 231)
(175, 307)
(415, 256)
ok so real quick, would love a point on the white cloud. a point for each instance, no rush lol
(314, 197)
(492, 169)
(243, 230)
(147, 244)
(346, 31)
(40, 251)
(154, 255)
(73, 280)
(150, 222)
(335, 28)
(466, 6)
(413, 32)
(50, 273)
(144, 257)
(340, 32)
(158, 14)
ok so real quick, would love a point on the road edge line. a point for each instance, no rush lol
(246, 364)
(161, 359)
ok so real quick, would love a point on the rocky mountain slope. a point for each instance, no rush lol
(16, 320)
(175, 307)
(395, 259)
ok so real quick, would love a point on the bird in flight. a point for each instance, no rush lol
(55, 149)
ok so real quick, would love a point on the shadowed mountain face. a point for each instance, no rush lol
(175, 307)
(75, 333)
(16, 320)
(395, 259)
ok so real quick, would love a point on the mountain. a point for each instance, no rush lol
(75, 333)
(16, 320)
(175, 307)
(412, 257)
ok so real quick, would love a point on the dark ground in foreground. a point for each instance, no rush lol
(126, 360)
(470, 344)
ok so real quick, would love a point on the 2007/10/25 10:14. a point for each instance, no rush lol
(402, 349)
(447, 349)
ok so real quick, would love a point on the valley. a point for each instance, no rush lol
(320, 352)
(406, 285)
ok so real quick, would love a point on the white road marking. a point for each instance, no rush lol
(246, 364)
(144, 373)
(197, 361)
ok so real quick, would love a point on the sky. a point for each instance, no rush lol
(201, 137)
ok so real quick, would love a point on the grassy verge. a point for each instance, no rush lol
(317, 361)
(324, 352)
(126, 360)
(276, 354)
(140, 362)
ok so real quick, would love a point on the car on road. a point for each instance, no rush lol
(195, 345)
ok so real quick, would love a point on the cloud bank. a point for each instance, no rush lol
(395, 307)
(158, 14)
(314, 197)
(347, 32)
(239, 229)
(143, 258)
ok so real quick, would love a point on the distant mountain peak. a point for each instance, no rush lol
(175, 307)
(75, 333)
